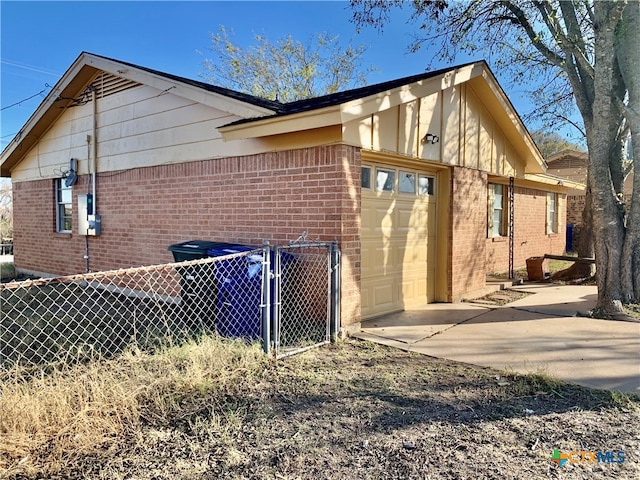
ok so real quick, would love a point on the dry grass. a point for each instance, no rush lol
(221, 409)
(48, 417)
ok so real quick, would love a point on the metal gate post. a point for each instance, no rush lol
(275, 297)
(266, 298)
(335, 291)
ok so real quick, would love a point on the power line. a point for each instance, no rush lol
(29, 98)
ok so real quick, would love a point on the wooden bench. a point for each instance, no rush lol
(536, 270)
(569, 258)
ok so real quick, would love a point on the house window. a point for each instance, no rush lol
(426, 185)
(497, 211)
(63, 207)
(366, 178)
(407, 183)
(385, 180)
(552, 213)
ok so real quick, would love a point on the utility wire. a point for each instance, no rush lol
(24, 100)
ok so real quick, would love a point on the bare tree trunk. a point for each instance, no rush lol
(628, 40)
(608, 218)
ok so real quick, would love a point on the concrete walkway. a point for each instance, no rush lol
(537, 334)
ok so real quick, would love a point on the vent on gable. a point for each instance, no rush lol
(107, 84)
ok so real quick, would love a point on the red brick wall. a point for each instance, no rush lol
(472, 254)
(530, 237)
(272, 197)
(468, 229)
(575, 206)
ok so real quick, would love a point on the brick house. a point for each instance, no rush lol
(572, 165)
(426, 181)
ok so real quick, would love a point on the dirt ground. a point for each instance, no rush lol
(360, 410)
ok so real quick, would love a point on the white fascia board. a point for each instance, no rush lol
(49, 101)
(175, 87)
(294, 122)
(554, 180)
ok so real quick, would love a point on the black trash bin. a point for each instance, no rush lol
(198, 289)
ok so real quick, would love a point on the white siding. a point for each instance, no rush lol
(138, 127)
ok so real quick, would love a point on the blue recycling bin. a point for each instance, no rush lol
(239, 291)
(197, 286)
(569, 239)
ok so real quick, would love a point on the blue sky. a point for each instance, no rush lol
(40, 40)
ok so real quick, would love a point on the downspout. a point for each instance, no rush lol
(95, 150)
(511, 227)
(92, 150)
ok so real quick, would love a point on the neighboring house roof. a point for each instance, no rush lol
(573, 164)
(262, 117)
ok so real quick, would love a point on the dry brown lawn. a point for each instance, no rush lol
(216, 409)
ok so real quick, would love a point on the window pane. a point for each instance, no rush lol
(426, 185)
(497, 196)
(64, 217)
(385, 180)
(67, 224)
(407, 182)
(65, 194)
(366, 177)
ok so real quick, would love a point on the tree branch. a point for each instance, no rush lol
(523, 21)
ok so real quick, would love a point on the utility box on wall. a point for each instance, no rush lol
(88, 222)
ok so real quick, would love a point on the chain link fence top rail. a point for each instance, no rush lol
(75, 318)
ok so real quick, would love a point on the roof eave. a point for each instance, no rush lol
(76, 78)
(549, 179)
(533, 159)
(278, 124)
(349, 110)
(81, 73)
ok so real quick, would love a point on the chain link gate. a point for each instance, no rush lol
(304, 297)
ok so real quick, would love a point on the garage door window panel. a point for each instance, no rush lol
(426, 185)
(366, 178)
(407, 183)
(385, 180)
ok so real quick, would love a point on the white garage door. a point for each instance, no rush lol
(398, 238)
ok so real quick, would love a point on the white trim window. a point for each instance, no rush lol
(552, 213)
(497, 209)
(64, 208)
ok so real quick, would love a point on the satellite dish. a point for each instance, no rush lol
(71, 177)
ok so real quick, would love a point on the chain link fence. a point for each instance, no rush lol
(280, 297)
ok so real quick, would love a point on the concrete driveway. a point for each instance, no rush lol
(537, 334)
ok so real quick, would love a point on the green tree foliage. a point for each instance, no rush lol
(6, 211)
(583, 51)
(287, 69)
(549, 143)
